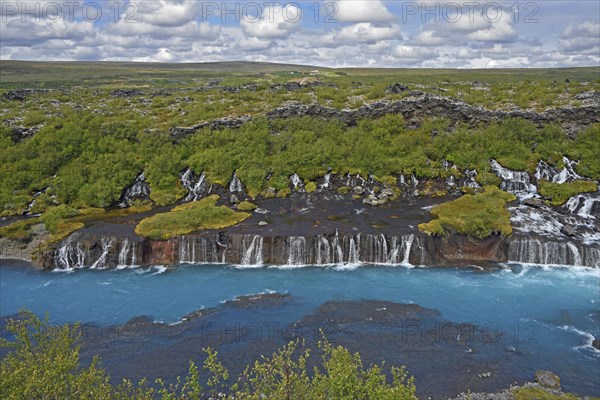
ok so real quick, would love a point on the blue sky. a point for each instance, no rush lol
(344, 33)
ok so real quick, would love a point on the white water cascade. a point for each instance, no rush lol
(516, 182)
(535, 251)
(253, 254)
(235, 185)
(196, 185)
(296, 182)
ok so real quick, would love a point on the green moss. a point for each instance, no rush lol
(344, 190)
(187, 218)
(20, 230)
(387, 180)
(64, 229)
(164, 197)
(559, 193)
(536, 393)
(283, 193)
(311, 187)
(478, 216)
(246, 206)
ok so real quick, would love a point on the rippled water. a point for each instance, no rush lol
(547, 317)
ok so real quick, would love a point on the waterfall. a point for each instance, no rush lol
(122, 261)
(326, 181)
(253, 254)
(70, 256)
(196, 185)
(101, 261)
(415, 181)
(407, 244)
(584, 205)
(534, 251)
(235, 185)
(553, 174)
(297, 251)
(516, 182)
(296, 182)
(323, 248)
(354, 250)
(469, 179)
(354, 181)
(139, 189)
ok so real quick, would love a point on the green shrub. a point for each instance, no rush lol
(43, 362)
(283, 193)
(478, 216)
(190, 217)
(54, 216)
(311, 187)
(246, 206)
(559, 193)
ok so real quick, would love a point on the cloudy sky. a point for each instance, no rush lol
(344, 33)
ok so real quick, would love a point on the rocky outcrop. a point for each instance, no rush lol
(421, 105)
(416, 108)
(221, 123)
(326, 249)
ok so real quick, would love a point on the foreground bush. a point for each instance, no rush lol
(44, 363)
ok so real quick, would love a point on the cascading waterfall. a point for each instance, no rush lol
(122, 262)
(584, 205)
(326, 181)
(296, 182)
(253, 254)
(553, 174)
(235, 185)
(534, 251)
(407, 244)
(516, 182)
(100, 263)
(70, 256)
(297, 251)
(139, 189)
(196, 185)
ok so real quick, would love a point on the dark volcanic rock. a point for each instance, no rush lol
(596, 344)
(22, 94)
(396, 88)
(127, 93)
(414, 109)
(376, 312)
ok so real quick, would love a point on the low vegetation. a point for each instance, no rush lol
(43, 362)
(93, 143)
(190, 217)
(479, 215)
(246, 206)
(558, 193)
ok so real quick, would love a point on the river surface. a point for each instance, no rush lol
(527, 318)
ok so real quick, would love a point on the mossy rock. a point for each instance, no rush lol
(190, 217)
(246, 206)
(479, 216)
(311, 187)
(344, 190)
(284, 193)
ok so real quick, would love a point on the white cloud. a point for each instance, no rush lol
(362, 32)
(275, 22)
(362, 11)
(582, 38)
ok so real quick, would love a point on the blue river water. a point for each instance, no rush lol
(549, 315)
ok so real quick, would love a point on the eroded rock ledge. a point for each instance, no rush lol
(414, 109)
